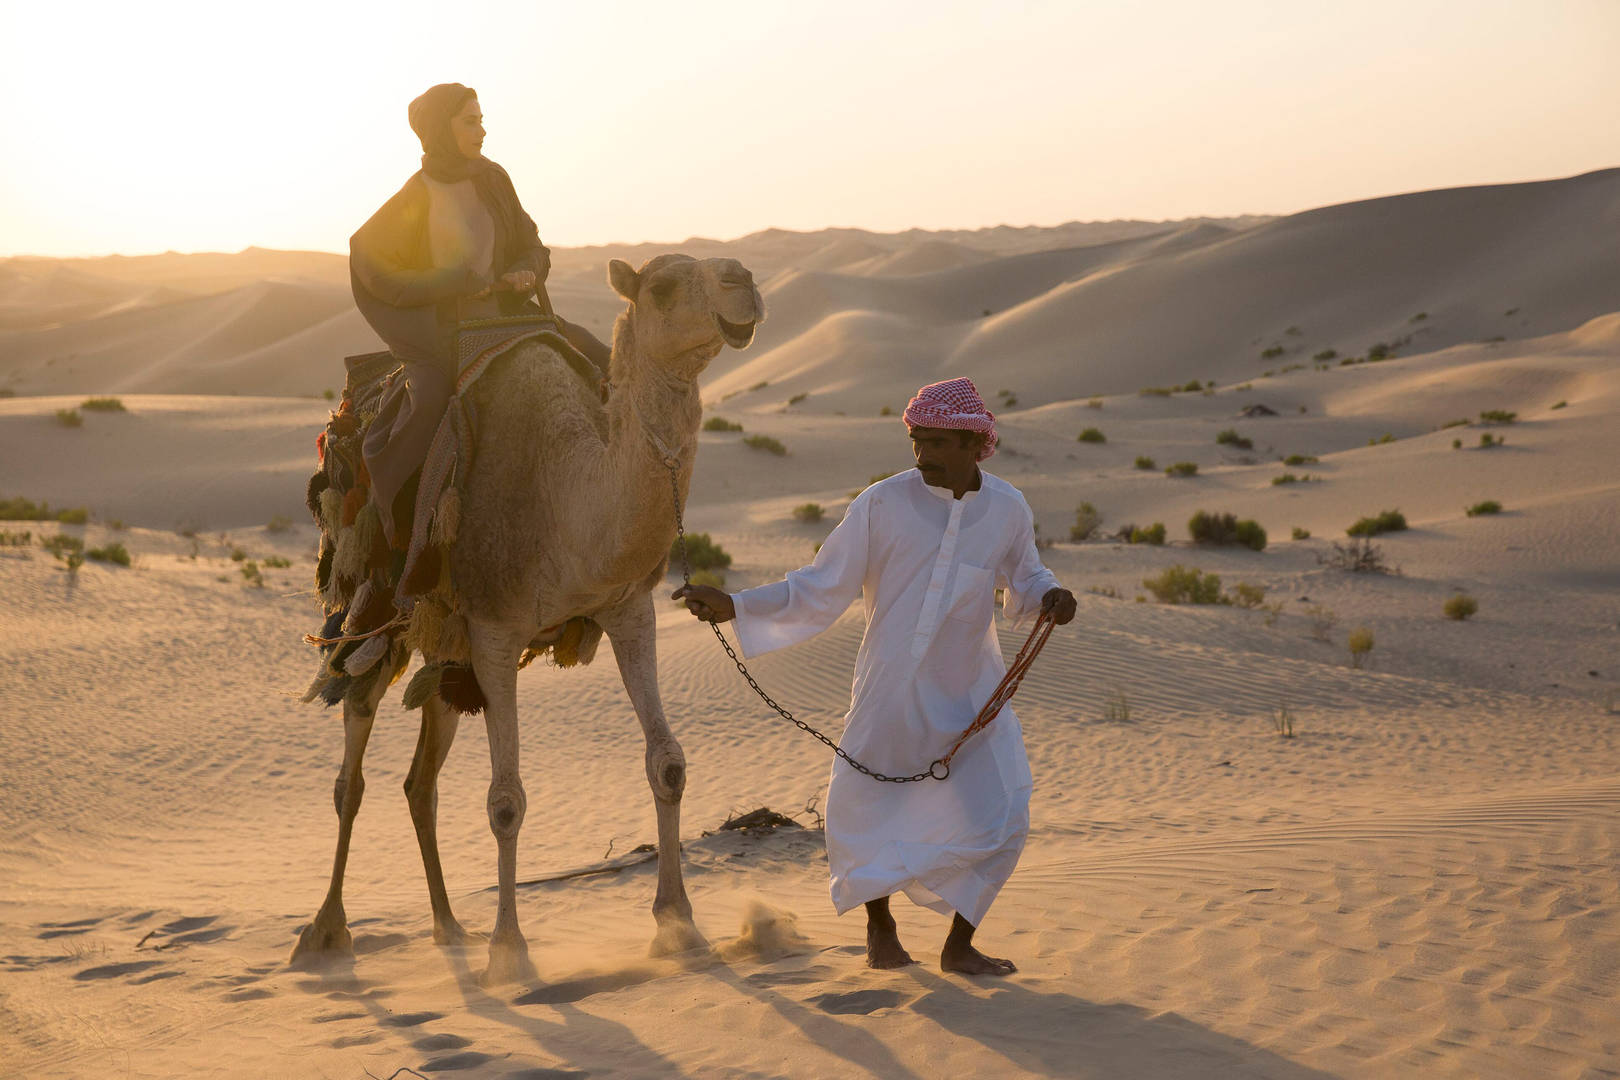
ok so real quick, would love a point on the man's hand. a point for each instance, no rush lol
(519, 281)
(1058, 603)
(714, 605)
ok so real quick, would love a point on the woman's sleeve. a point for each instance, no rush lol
(378, 263)
(809, 599)
(528, 253)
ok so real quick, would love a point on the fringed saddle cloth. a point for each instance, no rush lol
(384, 603)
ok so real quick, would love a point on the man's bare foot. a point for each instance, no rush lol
(883, 948)
(963, 958)
(960, 956)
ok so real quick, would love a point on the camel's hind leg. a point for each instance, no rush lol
(328, 933)
(495, 653)
(631, 626)
(439, 726)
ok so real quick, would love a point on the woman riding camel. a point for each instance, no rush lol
(453, 244)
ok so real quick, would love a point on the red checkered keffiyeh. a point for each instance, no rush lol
(954, 403)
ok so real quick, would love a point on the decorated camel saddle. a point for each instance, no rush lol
(383, 602)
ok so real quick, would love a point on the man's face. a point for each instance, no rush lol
(945, 457)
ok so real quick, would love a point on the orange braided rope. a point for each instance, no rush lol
(1008, 686)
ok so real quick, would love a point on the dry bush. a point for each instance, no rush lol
(720, 423)
(1153, 534)
(1489, 506)
(809, 513)
(1145, 462)
(1460, 606)
(1207, 528)
(701, 552)
(1117, 706)
(102, 404)
(112, 553)
(1182, 468)
(1300, 533)
(69, 418)
(1230, 437)
(1087, 520)
(765, 443)
(1360, 643)
(1386, 521)
(1248, 596)
(1361, 555)
(1185, 585)
(1282, 721)
(1323, 620)
(1091, 435)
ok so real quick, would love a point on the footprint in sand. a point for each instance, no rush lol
(856, 1002)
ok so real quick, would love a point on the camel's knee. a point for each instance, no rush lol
(507, 804)
(666, 771)
(346, 793)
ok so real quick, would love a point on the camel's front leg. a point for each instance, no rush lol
(495, 655)
(632, 629)
(327, 935)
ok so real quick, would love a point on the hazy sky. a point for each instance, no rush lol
(138, 127)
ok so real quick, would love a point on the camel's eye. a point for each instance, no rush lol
(663, 290)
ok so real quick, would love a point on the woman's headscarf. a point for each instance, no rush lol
(430, 117)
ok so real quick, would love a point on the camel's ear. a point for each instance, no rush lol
(623, 279)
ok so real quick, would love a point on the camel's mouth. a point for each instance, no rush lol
(735, 334)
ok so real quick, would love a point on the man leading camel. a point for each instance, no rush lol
(926, 550)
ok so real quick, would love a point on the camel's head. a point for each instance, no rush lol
(683, 311)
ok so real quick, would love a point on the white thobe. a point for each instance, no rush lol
(926, 566)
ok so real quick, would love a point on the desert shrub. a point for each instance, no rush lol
(796, 398)
(885, 411)
(1145, 462)
(1360, 555)
(1286, 478)
(278, 523)
(62, 546)
(1267, 354)
(102, 404)
(1300, 459)
(1460, 606)
(1087, 519)
(701, 551)
(762, 384)
(1097, 403)
(1230, 437)
(1155, 391)
(1559, 404)
(720, 423)
(1191, 387)
(1326, 354)
(765, 443)
(1103, 590)
(1184, 585)
(1248, 596)
(1091, 434)
(20, 508)
(1182, 468)
(1386, 438)
(112, 553)
(712, 578)
(1486, 439)
(78, 515)
(69, 418)
(1360, 643)
(116, 524)
(1323, 620)
(1301, 534)
(1282, 721)
(809, 513)
(276, 562)
(1386, 521)
(1117, 706)
(1498, 416)
(1153, 534)
(1456, 444)
(18, 538)
(238, 553)
(251, 574)
(329, 394)
(1008, 402)
(1379, 351)
(1207, 528)
(1455, 423)
(1419, 317)
(1489, 506)
(1244, 386)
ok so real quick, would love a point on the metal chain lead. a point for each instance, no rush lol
(938, 770)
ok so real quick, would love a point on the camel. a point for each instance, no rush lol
(567, 511)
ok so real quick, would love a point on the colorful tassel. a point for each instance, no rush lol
(423, 685)
(447, 518)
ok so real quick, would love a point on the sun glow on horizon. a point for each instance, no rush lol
(199, 127)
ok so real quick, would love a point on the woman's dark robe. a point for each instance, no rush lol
(413, 306)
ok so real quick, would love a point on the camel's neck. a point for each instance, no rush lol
(653, 419)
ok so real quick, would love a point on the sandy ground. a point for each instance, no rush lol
(1420, 882)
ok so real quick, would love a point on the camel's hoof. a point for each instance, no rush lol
(453, 933)
(508, 963)
(322, 942)
(675, 936)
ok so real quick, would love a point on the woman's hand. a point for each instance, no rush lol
(707, 602)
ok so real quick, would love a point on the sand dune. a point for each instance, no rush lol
(1419, 883)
